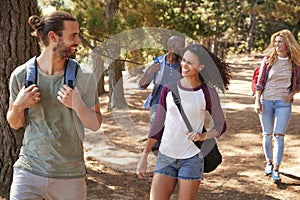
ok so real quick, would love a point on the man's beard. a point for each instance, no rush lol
(64, 51)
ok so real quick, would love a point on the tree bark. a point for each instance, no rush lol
(111, 6)
(116, 89)
(216, 39)
(98, 67)
(16, 46)
(251, 30)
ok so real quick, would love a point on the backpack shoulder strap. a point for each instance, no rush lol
(176, 97)
(31, 72)
(71, 68)
(177, 101)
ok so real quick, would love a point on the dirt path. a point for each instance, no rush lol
(111, 156)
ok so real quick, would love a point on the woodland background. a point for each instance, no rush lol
(226, 27)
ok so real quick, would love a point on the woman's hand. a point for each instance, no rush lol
(195, 136)
(288, 98)
(141, 167)
(257, 107)
(153, 68)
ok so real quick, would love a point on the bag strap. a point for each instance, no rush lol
(177, 101)
(31, 72)
(71, 67)
(70, 73)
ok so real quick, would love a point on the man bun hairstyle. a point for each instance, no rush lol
(53, 21)
(35, 22)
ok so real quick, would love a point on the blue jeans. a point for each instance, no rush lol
(184, 169)
(274, 120)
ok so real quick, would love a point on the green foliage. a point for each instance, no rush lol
(273, 16)
(58, 4)
(225, 21)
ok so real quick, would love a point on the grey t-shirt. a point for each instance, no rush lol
(52, 144)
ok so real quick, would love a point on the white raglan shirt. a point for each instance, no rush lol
(174, 142)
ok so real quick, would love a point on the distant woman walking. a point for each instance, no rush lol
(278, 81)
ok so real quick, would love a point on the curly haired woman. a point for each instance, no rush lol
(179, 159)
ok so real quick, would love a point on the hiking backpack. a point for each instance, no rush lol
(71, 67)
(254, 79)
(266, 69)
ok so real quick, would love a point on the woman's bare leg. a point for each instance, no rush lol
(162, 187)
(187, 189)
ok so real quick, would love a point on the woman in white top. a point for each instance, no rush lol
(278, 81)
(179, 159)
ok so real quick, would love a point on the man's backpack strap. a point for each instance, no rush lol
(31, 72)
(71, 67)
(70, 73)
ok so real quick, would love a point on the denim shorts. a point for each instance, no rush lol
(184, 169)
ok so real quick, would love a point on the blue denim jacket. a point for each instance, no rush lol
(161, 78)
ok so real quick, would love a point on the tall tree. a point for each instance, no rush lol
(272, 16)
(100, 22)
(116, 91)
(251, 30)
(16, 46)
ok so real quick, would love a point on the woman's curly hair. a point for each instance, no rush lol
(216, 71)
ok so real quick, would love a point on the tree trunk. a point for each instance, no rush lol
(111, 6)
(98, 67)
(216, 39)
(116, 90)
(251, 33)
(101, 83)
(251, 30)
(16, 46)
